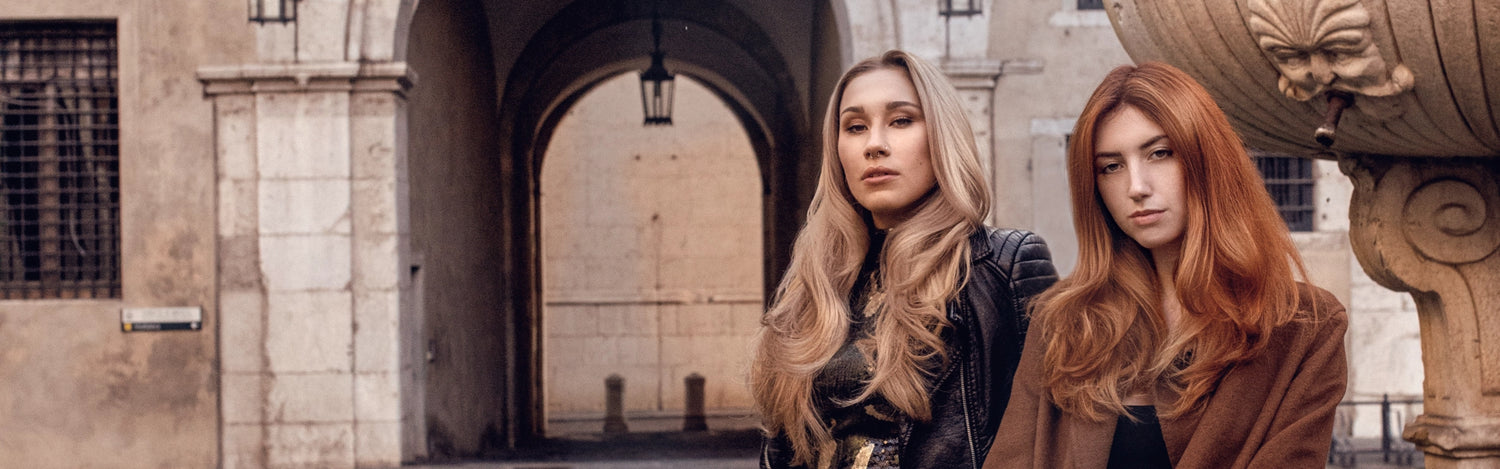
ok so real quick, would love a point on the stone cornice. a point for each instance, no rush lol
(304, 77)
(973, 73)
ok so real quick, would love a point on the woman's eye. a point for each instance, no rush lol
(1110, 168)
(1161, 153)
(854, 128)
(901, 122)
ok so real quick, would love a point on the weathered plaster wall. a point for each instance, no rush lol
(75, 390)
(1053, 56)
(651, 240)
(455, 210)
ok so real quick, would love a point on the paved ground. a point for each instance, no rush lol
(658, 443)
(672, 464)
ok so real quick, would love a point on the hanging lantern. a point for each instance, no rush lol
(657, 84)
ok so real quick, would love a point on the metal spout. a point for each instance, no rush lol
(1337, 102)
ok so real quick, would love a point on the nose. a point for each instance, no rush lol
(1140, 183)
(1320, 69)
(876, 146)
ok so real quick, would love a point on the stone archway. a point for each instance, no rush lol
(580, 44)
(356, 391)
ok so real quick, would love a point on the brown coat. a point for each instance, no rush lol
(1274, 412)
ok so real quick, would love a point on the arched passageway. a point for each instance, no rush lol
(651, 258)
(494, 90)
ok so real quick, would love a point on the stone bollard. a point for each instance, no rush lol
(693, 419)
(614, 405)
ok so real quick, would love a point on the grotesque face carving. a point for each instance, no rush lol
(1323, 44)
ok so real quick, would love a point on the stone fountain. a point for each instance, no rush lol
(1405, 95)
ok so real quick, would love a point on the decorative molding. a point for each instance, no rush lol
(1456, 437)
(1318, 45)
(303, 77)
(973, 73)
(1022, 67)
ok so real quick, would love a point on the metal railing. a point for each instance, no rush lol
(1392, 449)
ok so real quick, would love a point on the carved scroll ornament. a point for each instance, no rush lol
(1432, 227)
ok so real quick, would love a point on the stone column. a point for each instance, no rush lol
(975, 81)
(1431, 227)
(311, 242)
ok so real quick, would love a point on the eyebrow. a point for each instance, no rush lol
(1144, 146)
(889, 106)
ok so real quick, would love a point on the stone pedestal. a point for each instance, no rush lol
(1431, 227)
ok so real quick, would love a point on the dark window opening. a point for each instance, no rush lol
(1090, 4)
(959, 7)
(59, 160)
(1290, 181)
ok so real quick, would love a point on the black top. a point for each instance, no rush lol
(968, 395)
(1138, 443)
(867, 432)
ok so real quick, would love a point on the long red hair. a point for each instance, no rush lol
(1105, 334)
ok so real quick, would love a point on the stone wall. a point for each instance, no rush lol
(1053, 56)
(76, 391)
(1383, 343)
(458, 239)
(651, 241)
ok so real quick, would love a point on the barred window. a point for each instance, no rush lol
(59, 160)
(959, 7)
(1289, 179)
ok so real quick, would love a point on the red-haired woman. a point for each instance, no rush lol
(1182, 338)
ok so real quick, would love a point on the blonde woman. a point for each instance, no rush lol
(893, 336)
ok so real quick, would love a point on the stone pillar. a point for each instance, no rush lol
(311, 239)
(975, 81)
(1431, 227)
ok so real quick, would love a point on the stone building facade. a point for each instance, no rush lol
(354, 197)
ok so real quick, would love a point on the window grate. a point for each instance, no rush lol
(1090, 4)
(59, 161)
(951, 8)
(273, 11)
(1290, 181)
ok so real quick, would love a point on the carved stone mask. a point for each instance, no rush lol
(1323, 44)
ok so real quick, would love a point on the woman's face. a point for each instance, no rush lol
(882, 143)
(1139, 177)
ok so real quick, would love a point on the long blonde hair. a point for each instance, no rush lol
(923, 265)
(1105, 334)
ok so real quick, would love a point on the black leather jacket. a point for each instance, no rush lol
(989, 328)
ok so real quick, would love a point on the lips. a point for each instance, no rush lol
(1146, 216)
(876, 174)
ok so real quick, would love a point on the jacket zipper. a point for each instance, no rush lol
(963, 395)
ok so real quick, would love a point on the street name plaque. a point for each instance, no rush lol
(185, 318)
